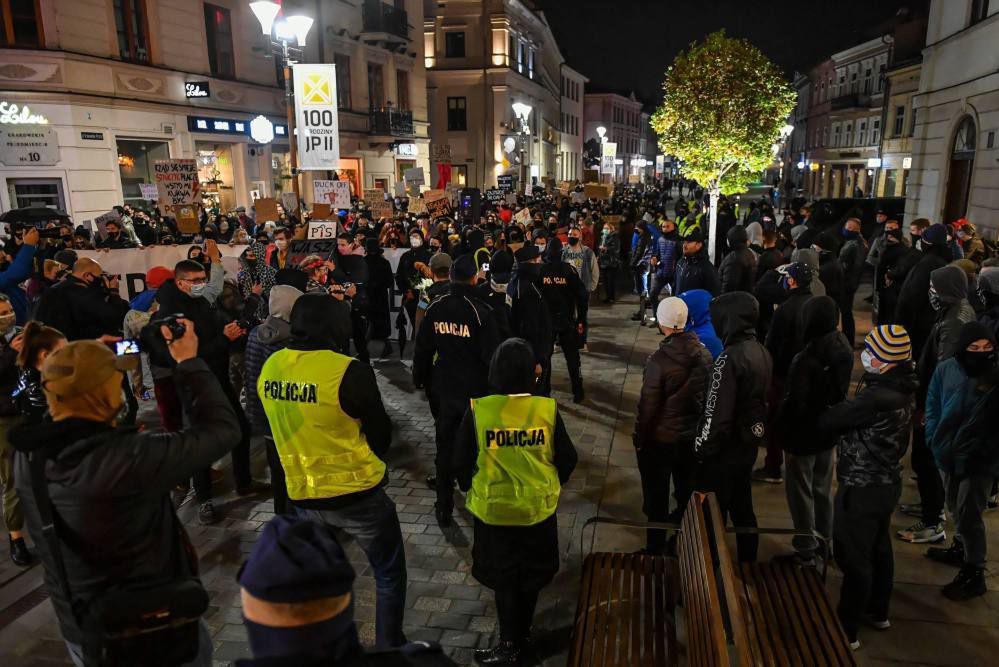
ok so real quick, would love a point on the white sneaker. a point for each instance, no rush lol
(880, 625)
(855, 645)
(918, 533)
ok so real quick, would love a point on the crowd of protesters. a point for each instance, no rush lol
(757, 352)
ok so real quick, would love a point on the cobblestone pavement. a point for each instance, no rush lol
(444, 603)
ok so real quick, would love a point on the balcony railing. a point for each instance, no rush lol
(381, 17)
(390, 122)
(851, 101)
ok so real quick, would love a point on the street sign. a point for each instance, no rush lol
(316, 116)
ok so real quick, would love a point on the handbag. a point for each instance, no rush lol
(145, 621)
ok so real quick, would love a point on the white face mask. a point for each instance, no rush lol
(867, 360)
(198, 290)
(281, 244)
(416, 242)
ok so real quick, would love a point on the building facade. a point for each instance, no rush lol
(621, 116)
(954, 172)
(124, 83)
(571, 154)
(482, 58)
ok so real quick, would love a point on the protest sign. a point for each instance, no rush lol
(322, 212)
(149, 191)
(414, 176)
(578, 198)
(438, 205)
(372, 195)
(417, 205)
(495, 195)
(267, 209)
(400, 188)
(289, 202)
(634, 178)
(596, 191)
(565, 187)
(101, 221)
(505, 182)
(440, 153)
(177, 181)
(523, 216)
(607, 156)
(334, 193)
(381, 209)
(323, 229)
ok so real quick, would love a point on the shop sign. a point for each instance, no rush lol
(92, 136)
(230, 126)
(28, 146)
(11, 114)
(316, 117)
(197, 89)
(178, 187)
(406, 150)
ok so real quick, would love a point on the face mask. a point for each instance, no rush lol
(785, 285)
(867, 360)
(935, 302)
(371, 225)
(847, 234)
(573, 240)
(541, 248)
(434, 247)
(452, 230)
(281, 244)
(6, 323)
(198, 290)
(976, 364)
(415, 242)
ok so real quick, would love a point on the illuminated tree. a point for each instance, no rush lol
(724, 107)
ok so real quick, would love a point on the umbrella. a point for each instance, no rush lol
(33, 214)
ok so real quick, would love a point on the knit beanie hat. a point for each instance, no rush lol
(889, 343)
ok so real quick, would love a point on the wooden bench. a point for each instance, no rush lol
(778, 613)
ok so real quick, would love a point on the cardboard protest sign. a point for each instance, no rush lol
(322, 211)
(523, 216)
(414, 176)
(400, 188)
(381, 209)
(372, 195)
(417, 205)
(565, 187)
(267, 209)
(177, 181)
(323, 229)
(289, 202)
(438, 204)
(596, 191)
(101, 222)
(149, 191)
(578, 197)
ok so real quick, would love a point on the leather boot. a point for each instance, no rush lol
(504, 653)
(19, 553)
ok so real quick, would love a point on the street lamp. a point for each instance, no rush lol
(601, 132)
(282, 33)
(523, 113)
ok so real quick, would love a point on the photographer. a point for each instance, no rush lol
(17, 272)
(110, 489)
(85, 304)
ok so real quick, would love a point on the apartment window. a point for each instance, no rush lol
(875, 130)
(979, 11)
(26, 192)
(836, 132)
(20, 25)
(218, 29)
(899, 121)
(912, 124)
(891, 182)
(862, 133)
(825, 136)
(454, 44)
(402, 89)
(376, 86)
(848, 135)
(511, 51)
(342, 63)
(133, 32)
(530, 63)
(520, 57)
(867, 81)
(457, 118)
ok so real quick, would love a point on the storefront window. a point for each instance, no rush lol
(281, 171)
(401, 166)
(215, 174)
(135, 165)
(459, 174)
(350, 170)
(26, 192)
(891, 180)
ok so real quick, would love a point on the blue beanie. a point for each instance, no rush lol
(935, 235)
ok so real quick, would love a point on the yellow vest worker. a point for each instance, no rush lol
(515, 483)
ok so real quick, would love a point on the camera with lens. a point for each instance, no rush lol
(174, 324)
(43, 232)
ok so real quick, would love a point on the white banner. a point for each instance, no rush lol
(607, 156)
(316, 117)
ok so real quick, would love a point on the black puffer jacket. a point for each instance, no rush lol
(873, 428)
(785, 337)
(738, 270)
(673, 386)
(818, 378)
(695, 272)
(111, 491)
(732, 426)
(913, 310)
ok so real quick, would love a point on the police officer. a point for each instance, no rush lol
(331, 431)
(493, 290)
(529, 315)
(512, 456)
(454, 344)
(568, 300)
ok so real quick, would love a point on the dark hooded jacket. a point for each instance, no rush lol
(872, 429)
(951, 285)
(913, 310)
(110, 488)
(562, 289)
(733, 424)
(819, 377)
(699, 320)
(673, 386)
(785, 335)
(696, 272)
(213, 346)
(738, 270)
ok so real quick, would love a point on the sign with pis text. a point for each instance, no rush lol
(323, 229)
(177, 182)
(316, 117)
(334, 193)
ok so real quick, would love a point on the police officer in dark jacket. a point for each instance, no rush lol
(738, 269)
(732, 427)
(530, 318)
(454, 345)
(568, 300)
(493, 291)
(694, 270)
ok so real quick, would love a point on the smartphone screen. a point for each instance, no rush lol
(485, 267)
(126, 347)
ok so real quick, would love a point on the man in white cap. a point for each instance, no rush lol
(676, 376)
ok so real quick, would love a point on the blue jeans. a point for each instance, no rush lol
(204, 658)
(373, 522)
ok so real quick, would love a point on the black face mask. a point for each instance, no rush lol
(573, 240)
(976, 364)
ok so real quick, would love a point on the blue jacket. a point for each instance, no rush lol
(699, 320)
(11, 279)
(960, 423)
(143, 300)
(665, 251)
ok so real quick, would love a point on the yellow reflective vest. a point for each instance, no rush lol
(321, 447)
(516, 483)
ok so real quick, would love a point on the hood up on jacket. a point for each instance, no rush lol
(698, 311)
(820, 315)
(737, 237)
(511, 370)
(734, 316)
(809, 257)
(950, 283)
(314, 323)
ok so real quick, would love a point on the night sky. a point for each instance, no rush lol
(627, 44)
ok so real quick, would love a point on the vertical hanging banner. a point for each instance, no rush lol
(316, 117)
(607, 156)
